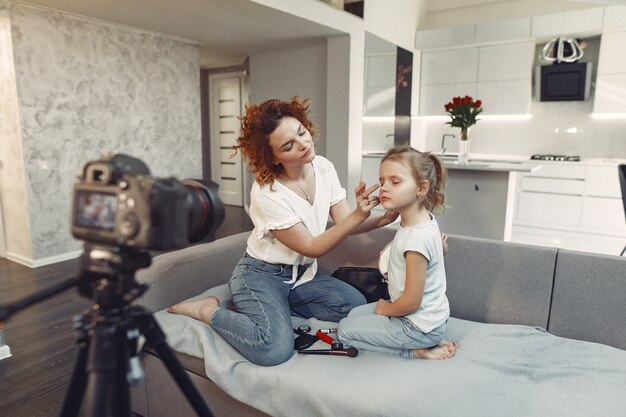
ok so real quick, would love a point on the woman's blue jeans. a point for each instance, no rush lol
(261, 327)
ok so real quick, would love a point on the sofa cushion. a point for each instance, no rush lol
(499, 370)
(499, 282)
(589, 298)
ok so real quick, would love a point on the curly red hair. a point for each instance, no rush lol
(256, 127)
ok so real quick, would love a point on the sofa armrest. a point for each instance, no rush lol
(184, 273)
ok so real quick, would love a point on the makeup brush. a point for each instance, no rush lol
(351, 352)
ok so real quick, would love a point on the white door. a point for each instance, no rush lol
(225, 94)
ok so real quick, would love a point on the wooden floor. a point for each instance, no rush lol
(33, 381)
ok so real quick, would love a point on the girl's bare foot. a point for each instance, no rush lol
(445, 350)
(199, 309)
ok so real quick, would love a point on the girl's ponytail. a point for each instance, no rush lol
(437, 194)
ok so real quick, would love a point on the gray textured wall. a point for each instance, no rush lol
(85, 87)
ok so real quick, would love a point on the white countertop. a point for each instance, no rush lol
(493, 166)
(497, 159)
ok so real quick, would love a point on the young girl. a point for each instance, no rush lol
(294, 193)
(413, 323)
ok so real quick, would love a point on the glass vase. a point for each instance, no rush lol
(463, 156)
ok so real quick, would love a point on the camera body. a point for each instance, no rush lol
(116, 202)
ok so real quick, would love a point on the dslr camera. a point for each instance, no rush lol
(116, 202)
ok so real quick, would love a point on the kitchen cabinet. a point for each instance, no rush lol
(380, 89)
(441, 38)
(503, 30)
(573, 206)
(450, 66)
(574, 23)
(498, 31)
(499, 75)
(610, 95)
(614, 18)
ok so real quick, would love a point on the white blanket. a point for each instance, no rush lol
(500, 370)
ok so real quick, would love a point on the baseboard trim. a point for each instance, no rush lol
(5, 352)
(35, 263)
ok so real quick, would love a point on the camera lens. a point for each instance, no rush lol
(206, 211)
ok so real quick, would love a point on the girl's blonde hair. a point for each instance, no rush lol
(424, 166)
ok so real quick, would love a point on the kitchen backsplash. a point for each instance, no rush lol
(565, 127)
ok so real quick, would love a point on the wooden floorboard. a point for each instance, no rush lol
(42, 340)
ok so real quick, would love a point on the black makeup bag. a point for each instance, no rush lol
(369, 281)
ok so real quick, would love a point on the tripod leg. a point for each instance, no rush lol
(76, 388)
(102, 366)
(150, 328)
(121, 395)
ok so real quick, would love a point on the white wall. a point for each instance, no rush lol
(84, 87)
(294, 71)
(393, 20)
(12, 175)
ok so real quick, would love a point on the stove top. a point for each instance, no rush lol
(548, 157)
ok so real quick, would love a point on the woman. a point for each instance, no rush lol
(294, 193)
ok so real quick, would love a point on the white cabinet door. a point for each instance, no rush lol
(438, 38)
(603, 181)
(552, 185)
(560, 170)
(579, 22)
(540, 208)
(547, 25)
(505, 97)
(614, 18)
(450, 66)
(380, 101)
(381, 70)
(506, 62)
(503, 30)
(603, 213)
(610, 95)
(433, 98)
(380, 88)
(612, 59)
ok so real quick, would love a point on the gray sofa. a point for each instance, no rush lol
(502, 297)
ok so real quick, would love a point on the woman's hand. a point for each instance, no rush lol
(365, 202)
(381, 305)
(390, 216)
(444, 242)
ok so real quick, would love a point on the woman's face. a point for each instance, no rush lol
(291, 143)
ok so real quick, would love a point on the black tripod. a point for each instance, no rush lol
(107, 362)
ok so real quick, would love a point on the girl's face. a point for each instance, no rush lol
(398, 188)
(291, 143)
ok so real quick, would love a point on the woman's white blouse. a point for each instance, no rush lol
(278, 208)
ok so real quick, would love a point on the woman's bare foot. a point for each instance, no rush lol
(202, 310)
(445, 350)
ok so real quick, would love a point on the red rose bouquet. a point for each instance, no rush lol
(463, 112)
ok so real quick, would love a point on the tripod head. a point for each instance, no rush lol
(108, 274)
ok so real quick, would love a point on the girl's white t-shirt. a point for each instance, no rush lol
(278, 208)
(424, 238)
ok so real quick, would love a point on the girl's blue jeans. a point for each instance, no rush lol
(364, 329)
(260, 327)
